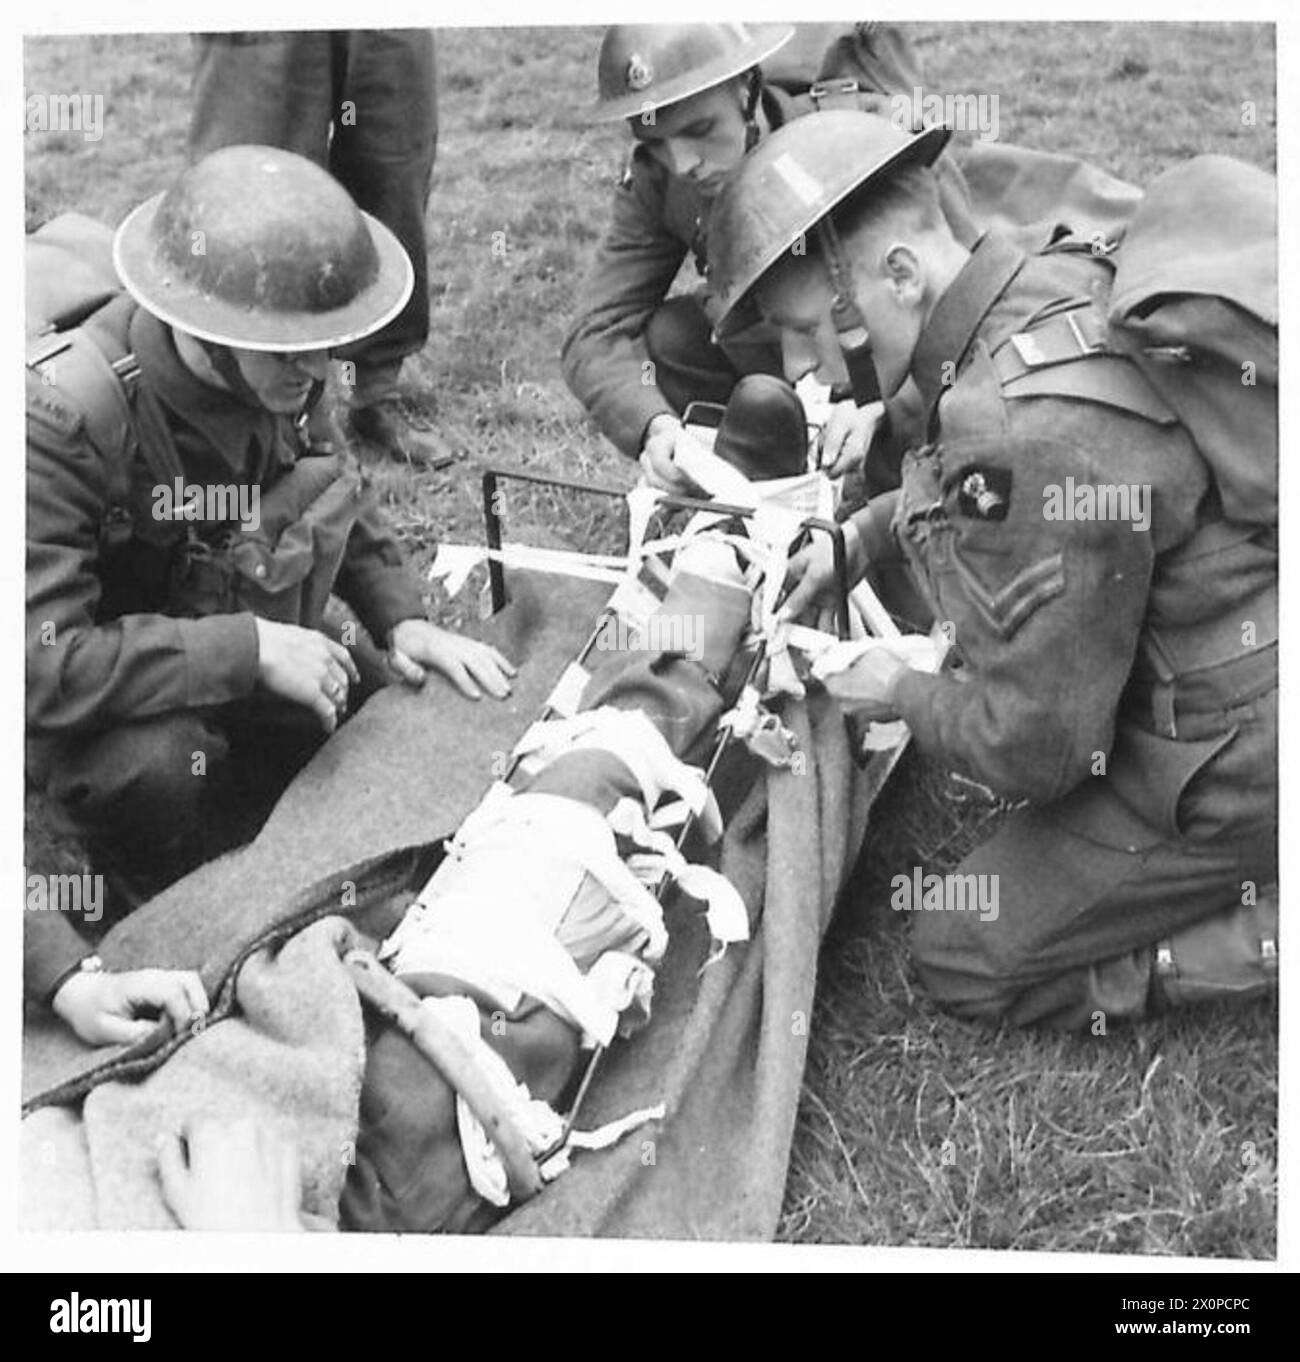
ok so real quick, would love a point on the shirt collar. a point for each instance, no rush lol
(221, 418)
(958, 314)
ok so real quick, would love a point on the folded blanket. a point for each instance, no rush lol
(292, 1056)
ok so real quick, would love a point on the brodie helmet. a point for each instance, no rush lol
(648, 66)
(790, 184)
(260, 249)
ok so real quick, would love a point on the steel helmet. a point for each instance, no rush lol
(791, 181)
(261, 249)
(648, 66)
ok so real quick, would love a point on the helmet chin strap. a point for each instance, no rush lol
(850, 325)
(752, 95)
(223, 360)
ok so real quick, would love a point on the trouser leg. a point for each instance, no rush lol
(137, 797)
(690, 367)
(152, 800)
(1086, 891)
(383, 153)
(269, 89)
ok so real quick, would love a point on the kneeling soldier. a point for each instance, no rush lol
(1105, 675)
(183, 541)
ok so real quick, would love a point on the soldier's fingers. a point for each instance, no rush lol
(833, 435)
(459, 677)
(796, 566)
(196, 996)
(651, 471)
(483, 668)
(501, 660)
(809, 582)
(408, 670)
(324, 709)
(336, 682)
(172, 997)
(344, 658)
(162, 989)
(114, 1030)
(798, 601)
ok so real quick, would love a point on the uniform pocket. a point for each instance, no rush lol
(1154, 776)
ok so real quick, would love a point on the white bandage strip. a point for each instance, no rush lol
(629, 736)
(724, 908)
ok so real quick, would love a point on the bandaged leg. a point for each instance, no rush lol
(537, 920)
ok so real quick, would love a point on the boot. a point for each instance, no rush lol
(389, 426)
(1231, 955)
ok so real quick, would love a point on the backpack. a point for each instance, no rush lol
(77, 315)
(874, 56)
(1187, 329)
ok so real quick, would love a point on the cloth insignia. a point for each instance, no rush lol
(985, 493)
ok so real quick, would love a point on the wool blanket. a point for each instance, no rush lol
(339, 857)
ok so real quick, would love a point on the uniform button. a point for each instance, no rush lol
(260, 570)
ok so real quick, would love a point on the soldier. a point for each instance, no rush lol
(177, 669)
(695, 101)
(363, 104)
(1104, 674)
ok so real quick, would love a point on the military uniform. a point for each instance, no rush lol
(633, 353)
(289, 90)
(142, 651)
(1121, 680)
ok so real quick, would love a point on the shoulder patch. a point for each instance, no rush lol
(984, 492)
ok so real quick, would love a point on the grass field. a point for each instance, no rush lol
(914, 1128)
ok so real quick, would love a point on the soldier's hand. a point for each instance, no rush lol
(867, 687)
(465, 662)
(305, 666)
(811, 573)
(657, 458)
(846, 436)
(103, 1009)
(231, 1174)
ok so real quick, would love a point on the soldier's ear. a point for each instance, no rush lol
(905, 275)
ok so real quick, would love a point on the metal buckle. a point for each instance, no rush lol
(1086, 347)
(831, 89)
(1168, 354)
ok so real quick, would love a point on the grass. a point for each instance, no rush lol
(914, 1128)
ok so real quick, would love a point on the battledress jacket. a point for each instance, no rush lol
(135, 623)
(1088, 644)
(659, 218)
